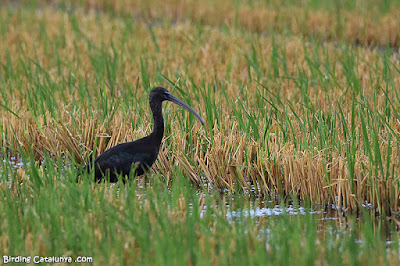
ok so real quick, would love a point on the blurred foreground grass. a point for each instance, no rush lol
(149, 222)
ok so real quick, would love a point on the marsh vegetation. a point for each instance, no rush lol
(300, 102)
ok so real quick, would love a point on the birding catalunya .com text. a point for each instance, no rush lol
(41, 259)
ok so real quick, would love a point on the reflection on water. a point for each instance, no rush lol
(12, 163)
(274, 211)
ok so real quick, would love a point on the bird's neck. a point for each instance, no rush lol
(158, 120)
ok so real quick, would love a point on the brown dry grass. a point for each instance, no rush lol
(364, 23)
(234, 155)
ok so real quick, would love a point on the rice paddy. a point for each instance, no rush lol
(301, 110)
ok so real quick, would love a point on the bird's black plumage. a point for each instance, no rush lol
(139, 155)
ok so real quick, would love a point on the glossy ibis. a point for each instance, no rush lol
(139, 155)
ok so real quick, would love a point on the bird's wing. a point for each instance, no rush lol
(124, 160)
(123, 157)
(127, 157)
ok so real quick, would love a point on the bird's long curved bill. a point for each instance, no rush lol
(173, 99)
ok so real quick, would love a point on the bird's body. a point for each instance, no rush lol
(136, 156)
(139, 155)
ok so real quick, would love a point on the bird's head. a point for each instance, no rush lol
(160, 94)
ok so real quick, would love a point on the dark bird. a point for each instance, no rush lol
(139, 155)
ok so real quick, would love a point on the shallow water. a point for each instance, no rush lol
(274, 211)
(259, 208)
(13, 163)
